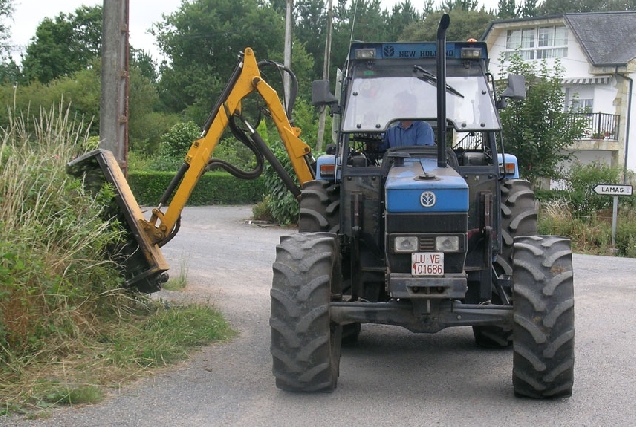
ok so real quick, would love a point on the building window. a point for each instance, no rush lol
(538, 43)
(522, 40)
(582, 105)
(580, 99)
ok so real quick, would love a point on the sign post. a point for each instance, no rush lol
(615, 190)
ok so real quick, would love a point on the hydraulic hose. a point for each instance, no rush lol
(242, 136)
(260, 149)
(294, 85)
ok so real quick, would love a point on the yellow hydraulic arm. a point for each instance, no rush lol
(246, 79)
(142, 262)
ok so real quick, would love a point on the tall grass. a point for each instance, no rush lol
(53, 238)
(67, 328)
(591, 234)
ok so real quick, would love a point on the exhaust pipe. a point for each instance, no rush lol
(441, 90)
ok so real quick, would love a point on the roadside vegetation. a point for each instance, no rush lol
(585, 217)
(68, 332)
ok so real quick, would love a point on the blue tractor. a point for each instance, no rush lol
(423, 237)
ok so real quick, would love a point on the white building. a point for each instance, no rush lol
(598, 54)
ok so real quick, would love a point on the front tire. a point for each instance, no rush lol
(543, 364)
(305, 344)
(518, 218)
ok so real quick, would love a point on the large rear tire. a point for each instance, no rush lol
(305, 344)
(543, 364)
(518, 218)
(319, 207)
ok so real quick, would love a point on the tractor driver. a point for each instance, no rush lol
(407, 132)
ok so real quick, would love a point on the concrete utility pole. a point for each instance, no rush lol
(288, 49)
(113, 111)
(325, 76)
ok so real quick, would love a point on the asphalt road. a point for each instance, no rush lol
(392, 377)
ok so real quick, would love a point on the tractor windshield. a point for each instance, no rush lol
(379, 95)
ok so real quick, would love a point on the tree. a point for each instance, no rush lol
(302, 66)
(145, 63)
(554, 7)
(370, 22)
(467, 5)
(6, 10)
(64, 45)
(402, 15)
(528, 9)
(279, 5)
(81, 93)
(351, 23)
(538, 130)
(203, 40)
(507, 9)
(357, 20)
(464, 24)
(10, 72)
(310, 27)
(146, 124)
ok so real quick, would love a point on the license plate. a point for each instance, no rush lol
(427, 264)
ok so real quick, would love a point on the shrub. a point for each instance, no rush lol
(281, 203)
(261, 211)
(626, 233)
(174, 145)
(213, 188)
(581, 180)
(591, 234)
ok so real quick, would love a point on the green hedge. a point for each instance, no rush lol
(214, 188)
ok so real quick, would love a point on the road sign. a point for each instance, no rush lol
(613, 189)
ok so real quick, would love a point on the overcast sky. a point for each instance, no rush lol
(143, 13)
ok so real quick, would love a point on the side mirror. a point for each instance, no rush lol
(320, 94)
(516, 89)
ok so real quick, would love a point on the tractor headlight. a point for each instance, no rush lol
(406, 244)
(471, 53)
(447, 243)
(365, 53)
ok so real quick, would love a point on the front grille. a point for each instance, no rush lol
(427, 223)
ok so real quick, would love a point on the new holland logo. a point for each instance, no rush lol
(427, 199)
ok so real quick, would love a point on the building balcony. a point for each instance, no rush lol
(600, 126)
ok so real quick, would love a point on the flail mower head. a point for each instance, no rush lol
(142, 263)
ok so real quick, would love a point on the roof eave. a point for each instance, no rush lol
(513, 20)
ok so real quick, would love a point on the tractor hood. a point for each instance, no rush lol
(421, 186)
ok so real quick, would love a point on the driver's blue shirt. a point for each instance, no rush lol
(417, 133)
